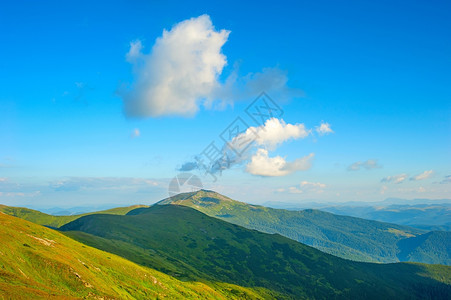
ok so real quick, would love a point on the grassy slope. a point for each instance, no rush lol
(58, 221)
(38, 262)
(186, 243)
(347, 237)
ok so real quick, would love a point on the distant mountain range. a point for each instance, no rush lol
(435, 216)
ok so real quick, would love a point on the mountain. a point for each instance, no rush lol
(436, 216)
(343, 236)
(40, 263)
(57, 221)
(192, 246)
(427, 248)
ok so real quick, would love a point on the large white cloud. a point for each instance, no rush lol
(182, 69)
(263, 165)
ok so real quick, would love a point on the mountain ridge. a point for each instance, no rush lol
(180, 240)
(348, 237)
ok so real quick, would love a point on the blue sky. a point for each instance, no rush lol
(83, 123)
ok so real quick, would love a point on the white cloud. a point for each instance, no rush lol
(3, 179)
(182, 71)
(316, 185)
(368, 165)
(396, 178)
(324, 128)
(135, 133)
(306, 187)
(446, 179)
(273, 133)
(422, 176)
(263, 165)
(294, 190)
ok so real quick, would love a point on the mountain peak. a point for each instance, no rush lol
(193, 198)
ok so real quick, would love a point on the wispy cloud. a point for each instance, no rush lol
(314, 185)
(304, 187)
(446, 180)
(422, 176)
(396, 178)
(368, 165)
(101, 183)
(135, 133)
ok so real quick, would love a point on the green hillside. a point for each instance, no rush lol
(39, 263)
(427, 247)
(343, 236)
(192, 246)
(58, 221)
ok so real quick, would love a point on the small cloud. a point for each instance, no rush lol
(3, 179)
(306, 184)
(422, 176)
(135, 133)
(396, 178)
(188, 166)
(446, 180)
(307, 187)
(324, 128)
(368, 165)
(384, 188)
(263, 165)
(421, 189)
(294, 190)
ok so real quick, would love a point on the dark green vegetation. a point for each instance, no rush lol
(427, 248)
(343, 236)
(183, 242)
(40, 263)
(57, 221)
(423, 216)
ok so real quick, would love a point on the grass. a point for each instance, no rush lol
(58, 221)
(40, 263)
(192, 246)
